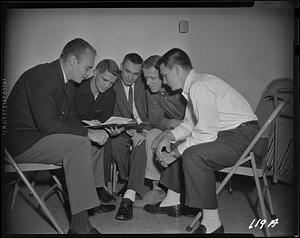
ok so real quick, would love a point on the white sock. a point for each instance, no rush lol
(172, 198)
(130, 194)
(211, 220)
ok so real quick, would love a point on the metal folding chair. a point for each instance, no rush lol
(12, 166)
(252, 171)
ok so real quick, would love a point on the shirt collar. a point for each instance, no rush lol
(65, 78)
(188, 83)
(126, 85)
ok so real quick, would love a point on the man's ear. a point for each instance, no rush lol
(72, 60)
(95, 72)
(177, 68)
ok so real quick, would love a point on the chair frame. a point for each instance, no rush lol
(246, 156)
(12, 166)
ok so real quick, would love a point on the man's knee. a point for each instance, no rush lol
(191, 157)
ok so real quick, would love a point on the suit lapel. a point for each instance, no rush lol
(122, 96)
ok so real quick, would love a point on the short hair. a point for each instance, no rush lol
(134, 58)
(151, 62)
(109, 65)
(176, 56)
(76, 47)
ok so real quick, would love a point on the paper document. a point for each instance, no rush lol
(112, 120)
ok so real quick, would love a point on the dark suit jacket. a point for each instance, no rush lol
(39, 105)
(121, 107)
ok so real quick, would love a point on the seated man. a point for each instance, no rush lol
(42, 128)
(166, 111)
(218, 126)
(131, 102)
(95, 99)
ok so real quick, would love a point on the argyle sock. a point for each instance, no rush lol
(172, 198)
(130, 194)
(80, 222)
(211, 220)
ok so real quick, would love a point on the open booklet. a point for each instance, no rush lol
(113, 121)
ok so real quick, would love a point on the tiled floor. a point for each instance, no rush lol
(237, 212)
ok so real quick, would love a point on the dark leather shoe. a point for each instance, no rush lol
(125, 210)
(190, 211)
(92, 231)
(202, 230)
(103, 208)
(173, 211)
(105, 196)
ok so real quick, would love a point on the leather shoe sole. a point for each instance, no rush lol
(202, 230)
(173, 211)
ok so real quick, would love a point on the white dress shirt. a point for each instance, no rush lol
(135, 113)
(212, 106)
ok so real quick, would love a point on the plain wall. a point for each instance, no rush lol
(247, 47)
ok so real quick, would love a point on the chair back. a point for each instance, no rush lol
(277, 90)
(267, 123)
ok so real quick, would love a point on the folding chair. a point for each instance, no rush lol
(12, 166)
(253, 171)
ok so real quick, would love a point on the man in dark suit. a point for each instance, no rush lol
(42, 127)
(95, 98)
(131, 102)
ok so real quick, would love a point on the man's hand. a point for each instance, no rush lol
(174, 122)
(165, 158)
(165, 143)
(157, 140)
(99, 136)
(131, 132)
(138, 138)
(113, 131)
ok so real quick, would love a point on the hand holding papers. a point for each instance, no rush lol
(112, 122)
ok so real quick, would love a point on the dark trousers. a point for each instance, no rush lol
(137, 169)
(82, 164)
(121, 153)
(200, 161)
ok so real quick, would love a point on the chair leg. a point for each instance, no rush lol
(196, 219)
(229, 187)
(41, 203)
(270, 202)
(259, 192)
(114, 178)
(59, 186)
(15, 193)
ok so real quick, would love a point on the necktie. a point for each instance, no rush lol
(130, 101)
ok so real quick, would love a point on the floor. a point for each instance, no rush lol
(237, 211)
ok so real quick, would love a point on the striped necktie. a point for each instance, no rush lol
(130, 101)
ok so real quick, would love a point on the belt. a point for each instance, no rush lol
(247, 123)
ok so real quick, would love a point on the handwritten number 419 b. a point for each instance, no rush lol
(262, 222)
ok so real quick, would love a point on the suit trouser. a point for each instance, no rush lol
(142, 164)
(153, 168)
(82, 165)
(200, 161)
(121, 153)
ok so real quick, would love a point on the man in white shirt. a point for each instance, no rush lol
(218, 126)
